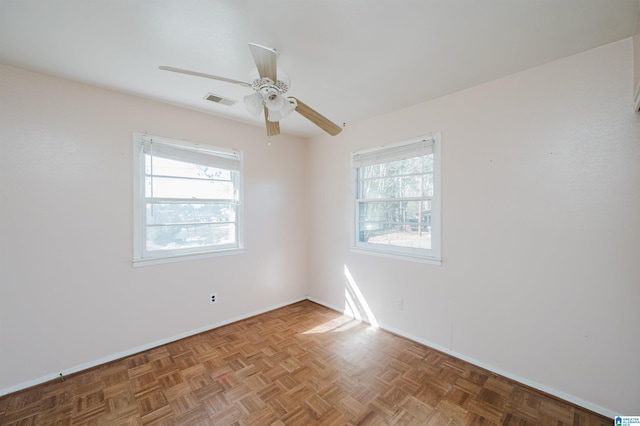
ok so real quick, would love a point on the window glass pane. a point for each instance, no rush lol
(370, 171)
(418, 236)
(407, 166)
(397, 187)
(394, 211)
(189, 236)
(401, 223)
(166, 167)
(427, 185)
(165, 214)
(164, 187)
(427, 165)
(414, 165)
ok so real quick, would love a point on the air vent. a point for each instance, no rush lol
(219, 99)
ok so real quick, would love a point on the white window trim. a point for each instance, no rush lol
(434, 255)
(138, 199)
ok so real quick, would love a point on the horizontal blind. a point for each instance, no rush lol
(203, 157)
(394, 153)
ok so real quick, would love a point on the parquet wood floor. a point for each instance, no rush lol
(299, 365)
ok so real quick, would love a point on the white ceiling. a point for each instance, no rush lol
(348, 59)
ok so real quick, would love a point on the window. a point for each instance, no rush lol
(397, 199)
(186, 199)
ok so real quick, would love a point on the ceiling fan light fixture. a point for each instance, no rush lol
(285, 107)
(273, 100)
(254, 103)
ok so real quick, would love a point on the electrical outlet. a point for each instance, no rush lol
(213, 298)
(400, 304)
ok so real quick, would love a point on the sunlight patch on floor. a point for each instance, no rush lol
(335, 325)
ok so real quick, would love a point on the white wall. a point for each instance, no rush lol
(68, 293)
(541, 228)
(636, 55)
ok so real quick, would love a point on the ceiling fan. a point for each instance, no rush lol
(270, 87)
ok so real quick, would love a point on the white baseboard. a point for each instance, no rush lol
(326, 305)
(546, 389)
(113, 357)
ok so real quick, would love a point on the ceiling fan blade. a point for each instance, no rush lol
(273, 127)
(199, 74)
(265, 59)
(318, 119)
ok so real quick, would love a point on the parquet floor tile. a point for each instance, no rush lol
(299, 365)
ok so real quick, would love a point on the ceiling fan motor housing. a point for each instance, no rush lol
(260, 84)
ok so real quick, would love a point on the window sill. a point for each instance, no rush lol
(398, 256)
(185, 257)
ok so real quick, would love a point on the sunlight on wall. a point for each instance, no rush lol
(355, 303)
(356, 310)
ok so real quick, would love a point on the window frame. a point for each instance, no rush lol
(143, 257)
(430, 256)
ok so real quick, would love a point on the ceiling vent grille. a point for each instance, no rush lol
(219, 99)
